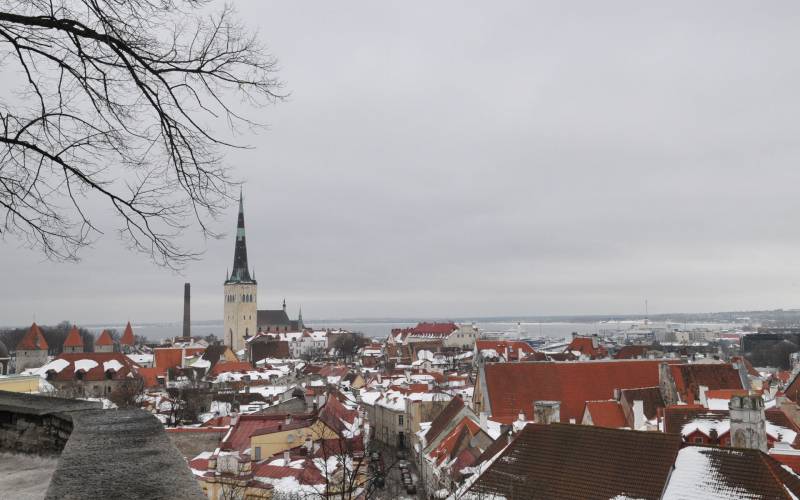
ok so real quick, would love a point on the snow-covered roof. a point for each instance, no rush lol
(84, 364)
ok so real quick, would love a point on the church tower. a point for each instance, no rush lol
(240, 293)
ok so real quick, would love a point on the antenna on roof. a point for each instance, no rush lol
(645, 311)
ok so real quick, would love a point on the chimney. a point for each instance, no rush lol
(748, 423)
(183, 357)
(187, 294)
(638, 414)
(286, 459)
(506, 351)
(519, 354)
(546, 412)
(484, 420)
(702, 390)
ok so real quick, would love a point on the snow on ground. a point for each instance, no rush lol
(25, 477)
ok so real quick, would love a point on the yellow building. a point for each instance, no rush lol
(20, 383)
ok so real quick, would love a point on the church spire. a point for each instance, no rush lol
(240, 272)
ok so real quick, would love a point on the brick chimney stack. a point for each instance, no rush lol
(187, 295)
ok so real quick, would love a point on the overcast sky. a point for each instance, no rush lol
(443, 159)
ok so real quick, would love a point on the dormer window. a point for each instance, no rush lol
(79, 375)
(109, 374)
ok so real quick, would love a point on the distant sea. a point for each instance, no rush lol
(380, 329)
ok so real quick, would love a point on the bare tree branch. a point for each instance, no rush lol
(113, 105)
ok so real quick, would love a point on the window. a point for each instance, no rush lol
(400, 420)
(258, 453)
(698, 440)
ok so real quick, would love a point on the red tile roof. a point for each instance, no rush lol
(790, 458)
(33, 340)
(607, 413)
(650, 396)
(728, 393)
(334, 371)
(334, 414)
(150, 376)
(308, 474)
(445, 416)
(170, 357)
(513, 387)
(230, 366)
(586, 346)
(127, 336)
(632, 352)
(446, 447)
(73, 338)
(560, 461)
(714, 376)
(249, 425)
(98, 372)
(105, 339)
(444, 328)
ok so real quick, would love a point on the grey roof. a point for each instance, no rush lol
(272, 317)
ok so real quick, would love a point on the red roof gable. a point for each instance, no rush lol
(115, 364)
(127, 337)
(73, 338)
(105, 339)
(170, 357)
(513, 387)
(33, 340)
(446, 447)
(606, 413)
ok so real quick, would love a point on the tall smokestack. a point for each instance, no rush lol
(187, 296)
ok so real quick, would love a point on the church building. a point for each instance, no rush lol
(242, 317)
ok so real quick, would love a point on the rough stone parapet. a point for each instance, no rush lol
(119, 454)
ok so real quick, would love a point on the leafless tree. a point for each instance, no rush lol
(111, 104)
(128, 393)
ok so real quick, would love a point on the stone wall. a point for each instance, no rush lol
(120, 454)
(34, 434)
(191, 442)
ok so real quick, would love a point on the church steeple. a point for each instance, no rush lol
(241, 273)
